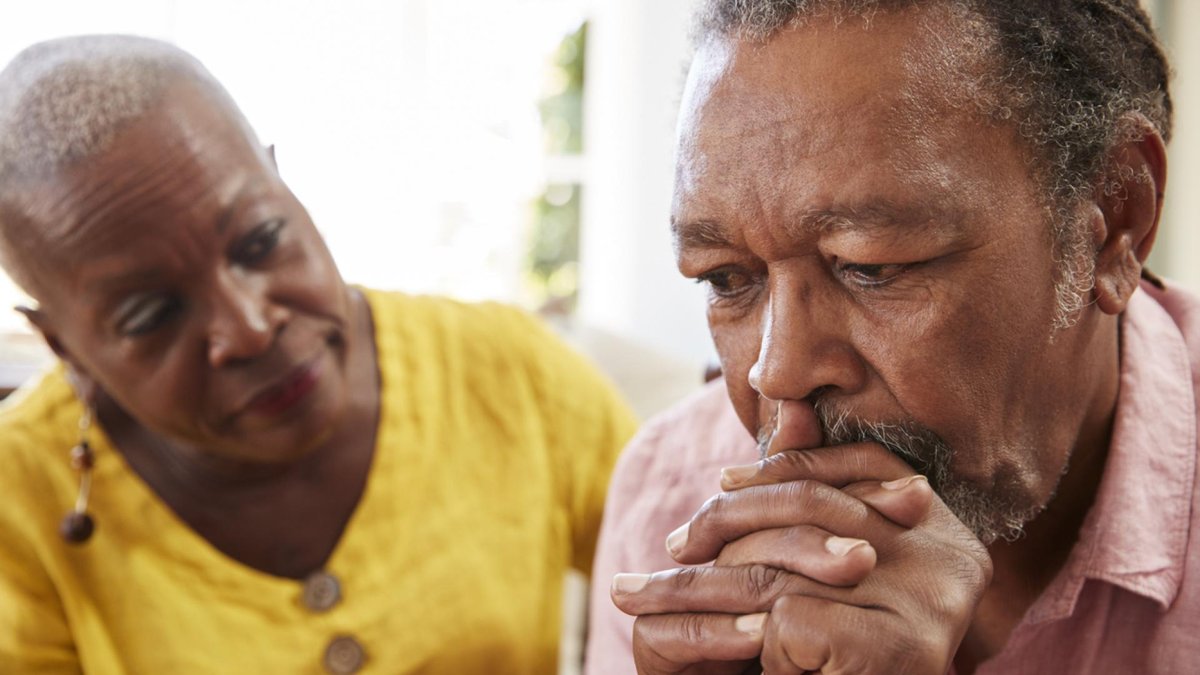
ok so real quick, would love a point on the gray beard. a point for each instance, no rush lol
(991, 514)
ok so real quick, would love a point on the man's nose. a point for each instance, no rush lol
(243, 321)
(804, 347)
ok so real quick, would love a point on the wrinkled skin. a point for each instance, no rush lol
(894, 263)
(200, 312)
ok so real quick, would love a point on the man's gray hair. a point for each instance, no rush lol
(1073, 75)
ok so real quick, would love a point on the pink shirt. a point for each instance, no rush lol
(1128, 598)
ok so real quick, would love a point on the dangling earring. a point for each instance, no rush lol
(77, 527)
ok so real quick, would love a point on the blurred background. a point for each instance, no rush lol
(506, 149)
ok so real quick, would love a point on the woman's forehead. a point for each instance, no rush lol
(183, 164)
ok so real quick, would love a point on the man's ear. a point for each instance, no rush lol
(85, 387)
(1129, 205)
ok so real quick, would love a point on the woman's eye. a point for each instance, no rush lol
(259, 243)
(144, 314)
(871, 275)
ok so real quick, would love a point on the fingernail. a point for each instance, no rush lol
(841, 546)
(901, 483)
(678, 539)
(751, 624)
(630, 583)
(733, 475)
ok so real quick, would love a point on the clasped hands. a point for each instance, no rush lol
(827, 560)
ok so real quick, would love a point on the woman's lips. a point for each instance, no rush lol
(291, 390)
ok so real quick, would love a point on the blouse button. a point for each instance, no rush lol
(321, 591)
(344, 656)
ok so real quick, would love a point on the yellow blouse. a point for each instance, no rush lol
(493, 453)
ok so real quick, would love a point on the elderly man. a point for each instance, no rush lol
(923, 226)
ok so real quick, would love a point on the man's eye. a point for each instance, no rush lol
(258, 244)
(144, 314)
(726, 283)
(873, 275)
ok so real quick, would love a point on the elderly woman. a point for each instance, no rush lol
(243, 465)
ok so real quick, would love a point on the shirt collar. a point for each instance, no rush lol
(1136, 533)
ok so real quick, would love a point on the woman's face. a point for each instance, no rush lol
(177, 274)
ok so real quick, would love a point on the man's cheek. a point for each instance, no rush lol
(738, 350)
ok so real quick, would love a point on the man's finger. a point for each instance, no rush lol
(675, 643)
(905, 502)
(806, 550)
(837, 465)
(796, 427)
(745, 589)
(807, 634)
(732, 515)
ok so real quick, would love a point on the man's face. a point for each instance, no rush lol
(877, 251)
(178, 273)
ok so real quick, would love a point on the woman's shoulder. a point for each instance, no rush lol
(436, 312)
(430, 323)
(39, 423)
(37, 406)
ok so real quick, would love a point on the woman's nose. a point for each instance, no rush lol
(244, 321)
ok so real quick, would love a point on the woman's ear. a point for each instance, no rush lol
(83, 383)
(1129, 205)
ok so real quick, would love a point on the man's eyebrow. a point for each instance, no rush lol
(700, 234)
(874, 216)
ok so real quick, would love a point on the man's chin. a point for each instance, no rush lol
(991, 517)
(998, 512)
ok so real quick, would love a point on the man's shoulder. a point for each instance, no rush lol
(1170, 318)
(701, 430)
(1183, 307)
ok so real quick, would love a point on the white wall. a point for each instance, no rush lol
(408, 128)
(637, 55)
(1178, 249)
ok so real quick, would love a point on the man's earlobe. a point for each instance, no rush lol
(1130, 204)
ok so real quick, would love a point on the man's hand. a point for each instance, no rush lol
(836, 559)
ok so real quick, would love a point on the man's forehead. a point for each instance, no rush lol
(865, 218)
(918, 60)
(823, 109)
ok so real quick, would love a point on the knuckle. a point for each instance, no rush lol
(711, 511)
(684, 578)
(790, 464)
(763, 581)
(799, 493)
(693, 628)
